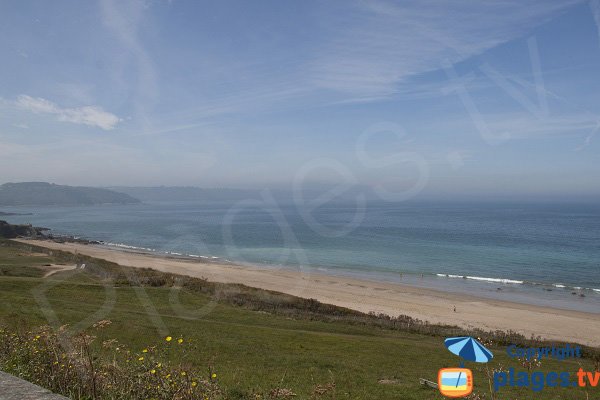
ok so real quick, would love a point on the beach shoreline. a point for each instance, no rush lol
(391, 298)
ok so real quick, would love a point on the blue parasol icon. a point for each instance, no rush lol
(468, 348)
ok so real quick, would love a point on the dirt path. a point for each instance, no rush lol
(55, 268)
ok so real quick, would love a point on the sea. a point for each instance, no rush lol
(542, 254)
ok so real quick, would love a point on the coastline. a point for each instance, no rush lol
(366, 295)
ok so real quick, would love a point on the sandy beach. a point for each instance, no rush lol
(366, 296)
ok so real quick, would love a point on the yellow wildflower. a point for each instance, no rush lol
(168, 338)
(183, 373)
(141, 359)
(145, 351)
(179, 340)
(153, 371)
(214, 375)
(194, 384)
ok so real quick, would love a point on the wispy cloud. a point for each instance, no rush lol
(595, 6)
(363, 52)
(275, 98)
(587, 141)
(122, 19)
(88, 115)
(375, 45)
(522, 125)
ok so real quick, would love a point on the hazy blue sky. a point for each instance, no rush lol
(433, 97)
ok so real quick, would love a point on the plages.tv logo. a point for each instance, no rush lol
(458, 382)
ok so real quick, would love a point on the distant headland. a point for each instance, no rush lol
(3, 214)
(49, 194)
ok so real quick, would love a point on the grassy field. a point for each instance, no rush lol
(255, 341)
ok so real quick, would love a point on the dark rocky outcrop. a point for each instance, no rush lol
(9, 231)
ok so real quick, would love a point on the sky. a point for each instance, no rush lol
(412, 98)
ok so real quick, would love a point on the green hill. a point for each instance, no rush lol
(49, 194)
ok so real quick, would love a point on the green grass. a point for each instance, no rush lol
(18, 261)
(253, 351)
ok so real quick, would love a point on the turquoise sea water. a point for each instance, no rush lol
(536, 253)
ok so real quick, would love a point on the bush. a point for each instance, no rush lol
(86, 367)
